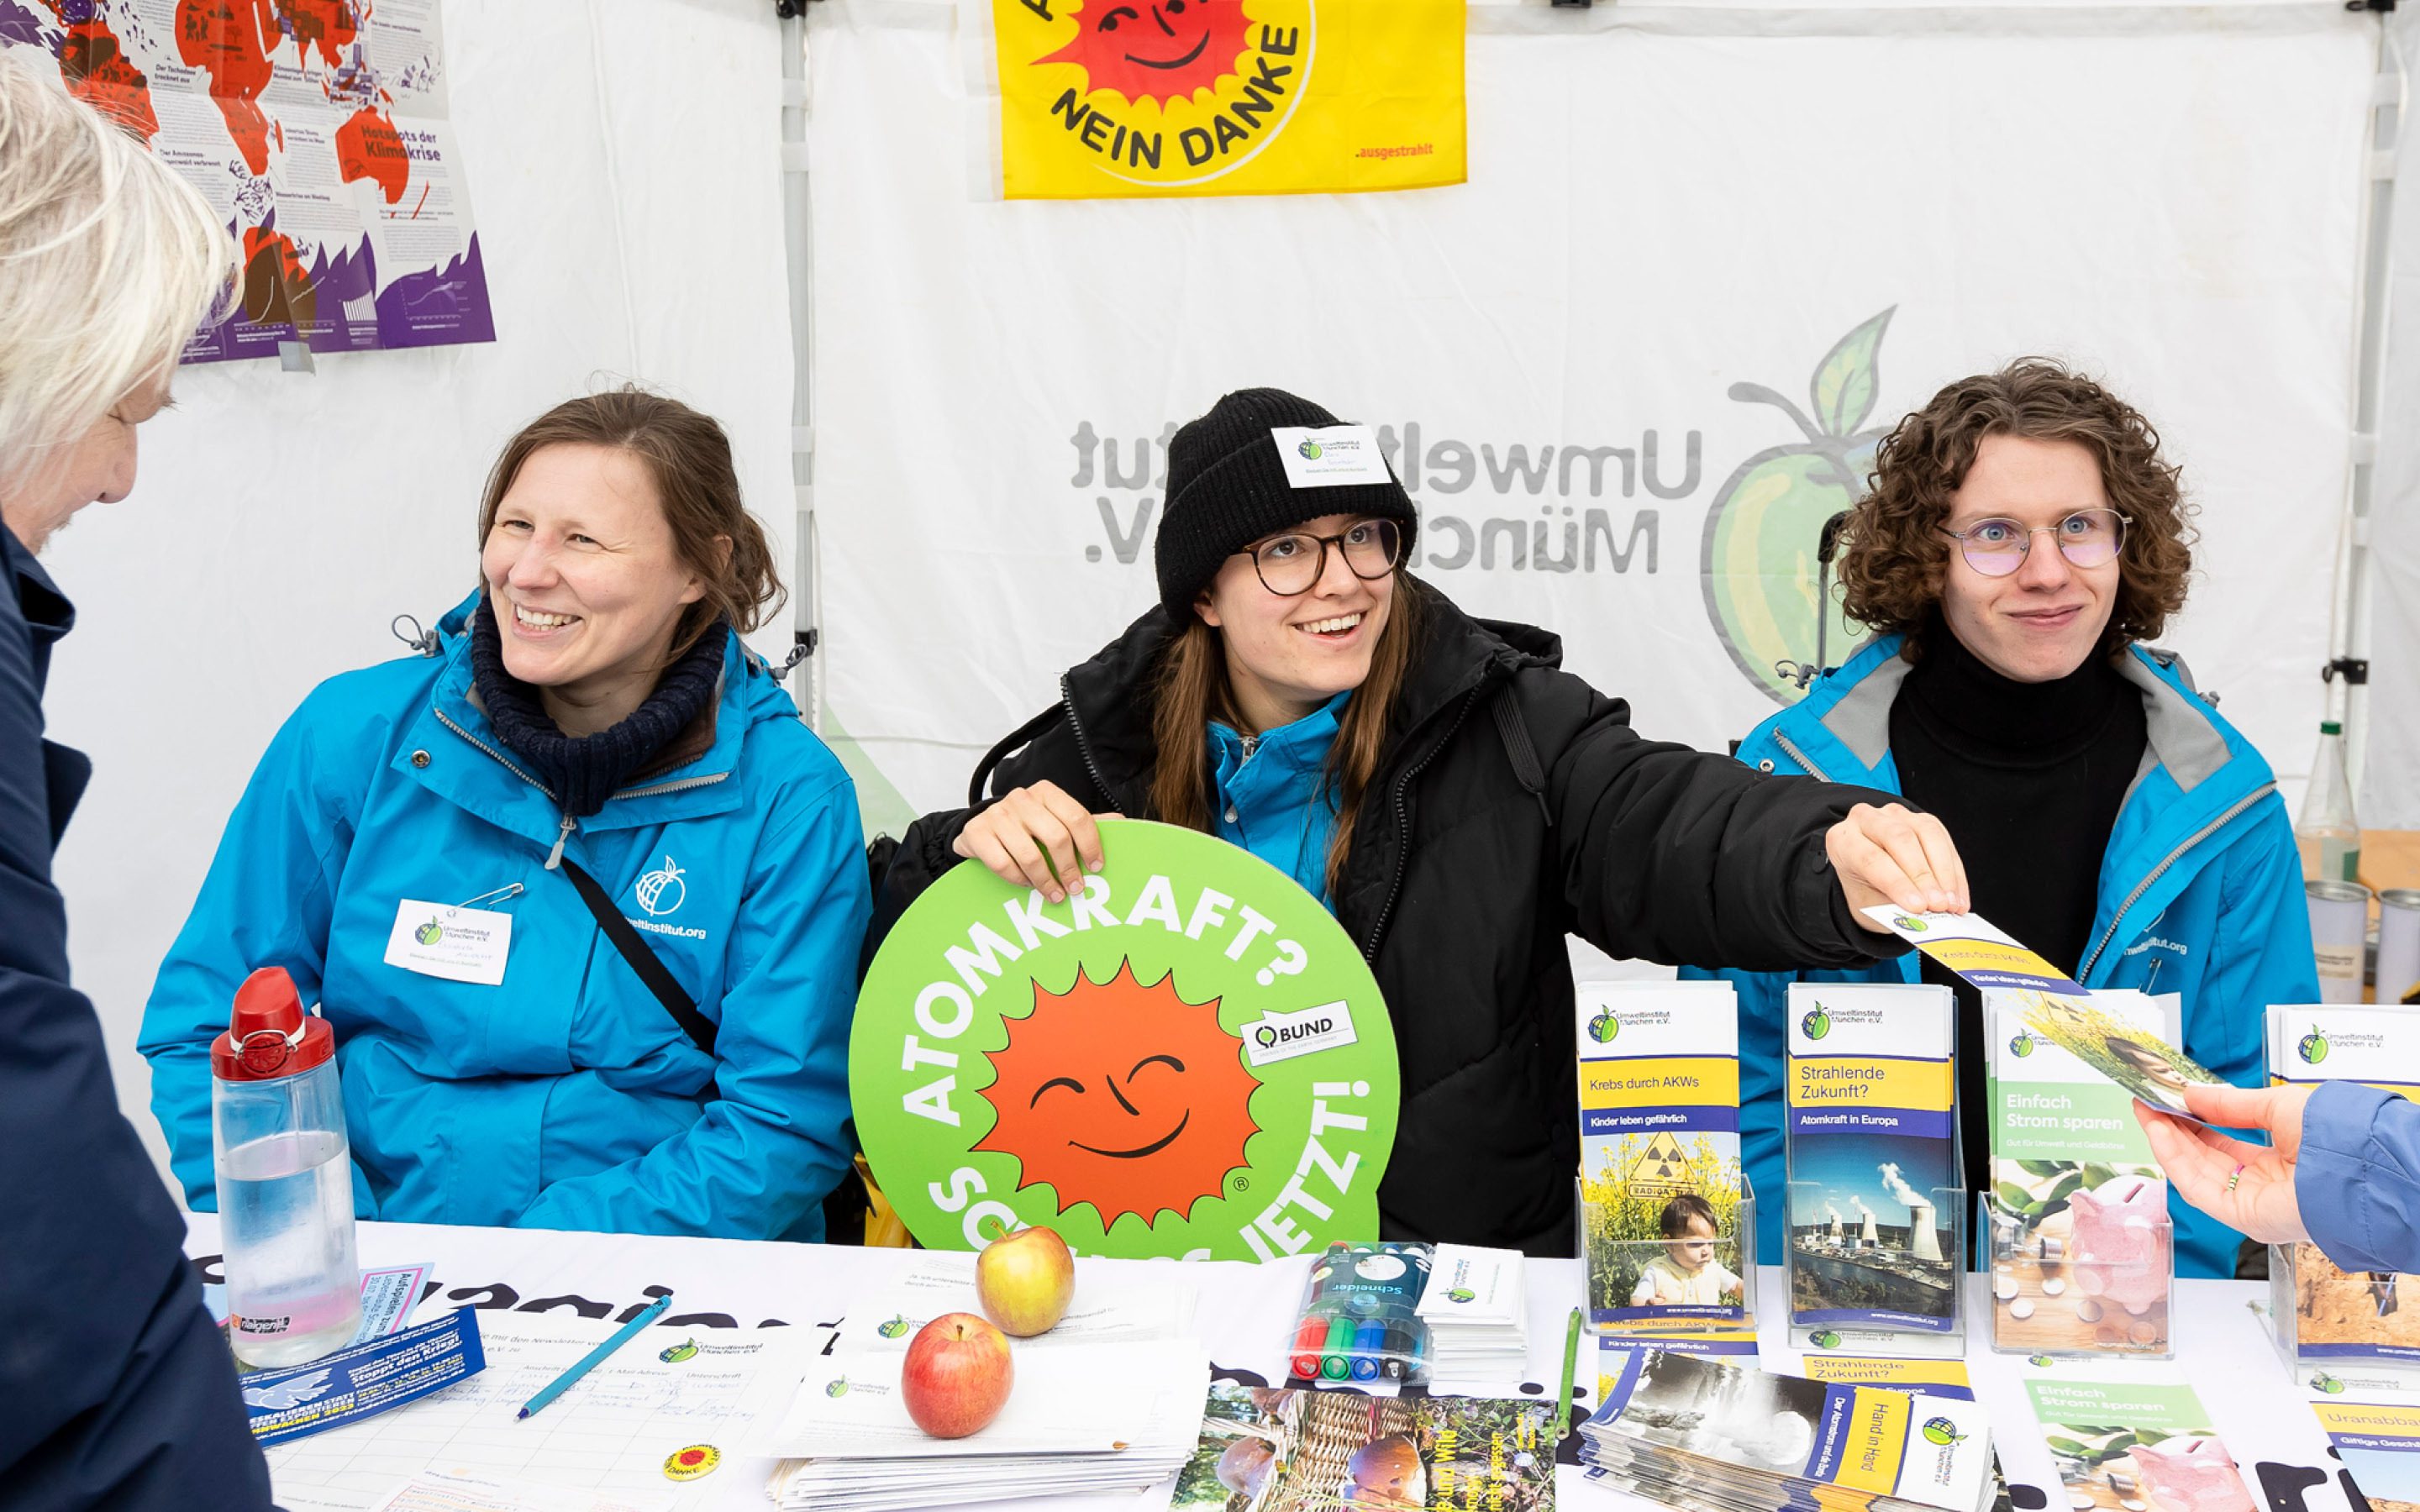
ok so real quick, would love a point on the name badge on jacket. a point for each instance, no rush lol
(444, 940)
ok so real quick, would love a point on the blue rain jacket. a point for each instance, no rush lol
(2202, 894)
(1271, 799)
(567, 1096)
(2357, 1178)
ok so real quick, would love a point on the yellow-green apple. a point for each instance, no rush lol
(1025, 1280)
(956, 1375)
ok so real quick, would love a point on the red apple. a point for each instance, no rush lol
(1025, 1280)
(956, 1377)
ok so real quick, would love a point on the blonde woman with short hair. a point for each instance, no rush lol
(118, 1392)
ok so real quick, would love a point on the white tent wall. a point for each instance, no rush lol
(624, 160)
(1663, 202)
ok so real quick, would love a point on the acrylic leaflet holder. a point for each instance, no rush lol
(2083, 1263)
(1881, 1275)
(1700, 1276)
(1875, 1217)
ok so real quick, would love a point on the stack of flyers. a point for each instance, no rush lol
(2324, 1313)
(1080, 1418)
(2380, 1444)
(1712, 1436)
(1477, 1309)
(2083, 1248)
(1309, 1451)
(1873, 1128)
(1661, 1192)
(1111, 1307)
(2136, 1446)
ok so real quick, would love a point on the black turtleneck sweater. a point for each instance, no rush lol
(2027, 778)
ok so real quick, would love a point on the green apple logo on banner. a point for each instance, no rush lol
(1188, 1059)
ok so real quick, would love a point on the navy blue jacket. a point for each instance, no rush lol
(116, 1390)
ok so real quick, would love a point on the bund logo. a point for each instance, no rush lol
(1165, 93)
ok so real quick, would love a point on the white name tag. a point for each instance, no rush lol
(1330, 455)
(458, 944)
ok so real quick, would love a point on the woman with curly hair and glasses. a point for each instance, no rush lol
(2022, 542)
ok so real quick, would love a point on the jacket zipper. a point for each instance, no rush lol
(2156, 872)
(563, 830)
(1404, 820)
(1083, 746)
(1800, 757)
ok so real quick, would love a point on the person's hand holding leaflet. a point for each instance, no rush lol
(2351, 1150)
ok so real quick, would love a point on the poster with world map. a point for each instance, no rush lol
(318, 130)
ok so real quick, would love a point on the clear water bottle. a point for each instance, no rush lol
(285, 1179)
(2328, 834)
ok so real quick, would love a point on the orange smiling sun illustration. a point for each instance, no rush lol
(1160, 50)
(1124, 1096)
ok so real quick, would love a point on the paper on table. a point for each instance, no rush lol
(1081, 1398)
(448, 1490)
(610, 1434)
(1107, 1307)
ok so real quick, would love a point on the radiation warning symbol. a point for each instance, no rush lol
(1660, 1171)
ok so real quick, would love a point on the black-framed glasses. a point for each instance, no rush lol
(1291, 564)
(1996, 548)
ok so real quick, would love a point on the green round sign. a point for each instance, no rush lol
(1189, 1059)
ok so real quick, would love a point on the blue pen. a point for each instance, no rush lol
(587, 1362)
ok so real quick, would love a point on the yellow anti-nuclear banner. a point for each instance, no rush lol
(1106, 99)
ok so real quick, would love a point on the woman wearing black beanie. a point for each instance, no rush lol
(1457, 801)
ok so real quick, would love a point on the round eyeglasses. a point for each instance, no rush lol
(1996, 548)
(1290, 564)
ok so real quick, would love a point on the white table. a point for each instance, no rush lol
(1244, 1317)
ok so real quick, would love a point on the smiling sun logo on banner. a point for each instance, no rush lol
(1103, 99)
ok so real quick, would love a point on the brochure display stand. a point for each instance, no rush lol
(1875, 1205)
(1640, 1285)
(2081, 1246)
(2327, 1318)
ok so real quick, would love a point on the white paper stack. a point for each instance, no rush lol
(1477, 1313)
(1108, 1400)
(1080, 1417)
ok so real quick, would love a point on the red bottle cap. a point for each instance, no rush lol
(269, 1036)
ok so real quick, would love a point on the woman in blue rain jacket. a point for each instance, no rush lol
(591, 705)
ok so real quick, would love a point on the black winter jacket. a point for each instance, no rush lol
(1514, 805)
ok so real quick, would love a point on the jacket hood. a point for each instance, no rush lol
(1110, 694)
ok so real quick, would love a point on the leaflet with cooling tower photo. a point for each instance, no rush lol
(1870, 1117)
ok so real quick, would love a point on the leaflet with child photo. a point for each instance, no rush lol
(2055, 1006)
(1660, 1151)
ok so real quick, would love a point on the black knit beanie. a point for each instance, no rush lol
(1227, 489)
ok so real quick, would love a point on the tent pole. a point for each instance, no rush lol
(806, 628)
(2350, 652)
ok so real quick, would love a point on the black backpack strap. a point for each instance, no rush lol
(1527, 769)
(644, 961)
(1014, 741)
